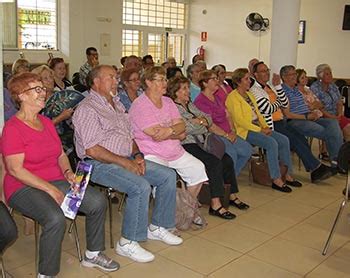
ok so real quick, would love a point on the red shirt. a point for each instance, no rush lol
(41, 151)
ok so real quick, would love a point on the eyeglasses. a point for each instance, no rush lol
(134, 80)
(264, 71)
(37, 89)
(160, 79)
(214, 78)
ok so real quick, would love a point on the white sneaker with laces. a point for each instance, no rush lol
(164, 235)
(134, 251)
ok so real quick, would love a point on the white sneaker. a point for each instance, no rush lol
(164, 235)
(135, 252)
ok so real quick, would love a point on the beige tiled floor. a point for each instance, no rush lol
(281, 235)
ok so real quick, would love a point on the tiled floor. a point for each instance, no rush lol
(281, 235)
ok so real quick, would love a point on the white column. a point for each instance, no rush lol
(284, 33)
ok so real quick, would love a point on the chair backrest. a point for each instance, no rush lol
(344, 156)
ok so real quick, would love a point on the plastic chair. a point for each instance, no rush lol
(343, 163)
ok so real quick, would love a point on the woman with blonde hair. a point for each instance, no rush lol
(252, 127)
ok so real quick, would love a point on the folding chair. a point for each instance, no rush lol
(343, 163)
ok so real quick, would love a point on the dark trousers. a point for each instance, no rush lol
(41, 207)
(299, 144)
(218, 171)
(8, 229)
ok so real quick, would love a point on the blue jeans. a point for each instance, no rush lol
(324, 129)
(240, 152)
(276, 146)
(41, 207)
(8, 228)
(138, 189)
(299, 144)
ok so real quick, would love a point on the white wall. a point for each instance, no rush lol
(325, 41)
(229, 42)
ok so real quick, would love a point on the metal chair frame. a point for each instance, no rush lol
(36, 239)
(340, 211)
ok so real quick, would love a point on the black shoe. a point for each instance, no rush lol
(321, 173)
(337, 170)
(342, 171)
(294, 183)
(239, 204)
(226, 215)
(284, 188)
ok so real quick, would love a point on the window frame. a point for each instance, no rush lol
(146, 29)
(17, 48)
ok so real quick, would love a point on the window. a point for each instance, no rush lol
(30, 24)
(158, 13)
(132, 43)
(155, 27)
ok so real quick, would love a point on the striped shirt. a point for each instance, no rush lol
(96, 122)
(297, 103)
(266, 107)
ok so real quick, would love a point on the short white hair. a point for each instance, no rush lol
(320, 70)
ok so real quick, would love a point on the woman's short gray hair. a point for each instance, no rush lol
(320, 70)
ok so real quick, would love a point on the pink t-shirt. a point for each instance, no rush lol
(216, 110)
(144, 114)
(41, 151)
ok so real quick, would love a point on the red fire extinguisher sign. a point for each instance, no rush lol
(204, 36)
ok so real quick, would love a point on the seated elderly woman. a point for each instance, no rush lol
(59, 73)
(224, 88)
(38, 175)
(158, 129)
(63, 127)
(130, 87)
(329, 95)
(197, 125)
(239, 150)
(252, 126)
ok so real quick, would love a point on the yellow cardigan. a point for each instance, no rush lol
(241, 114)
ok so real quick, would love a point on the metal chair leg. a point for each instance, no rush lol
(341, 208)
(70, 227)
(3, 273)
(76, 237)
(122, 201)
(36, 235)
(109, 196)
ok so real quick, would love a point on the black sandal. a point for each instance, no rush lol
(240, 205)
(225, 215)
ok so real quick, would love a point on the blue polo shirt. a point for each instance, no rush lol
(297, 103)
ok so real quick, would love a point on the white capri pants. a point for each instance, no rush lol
(189, 168)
